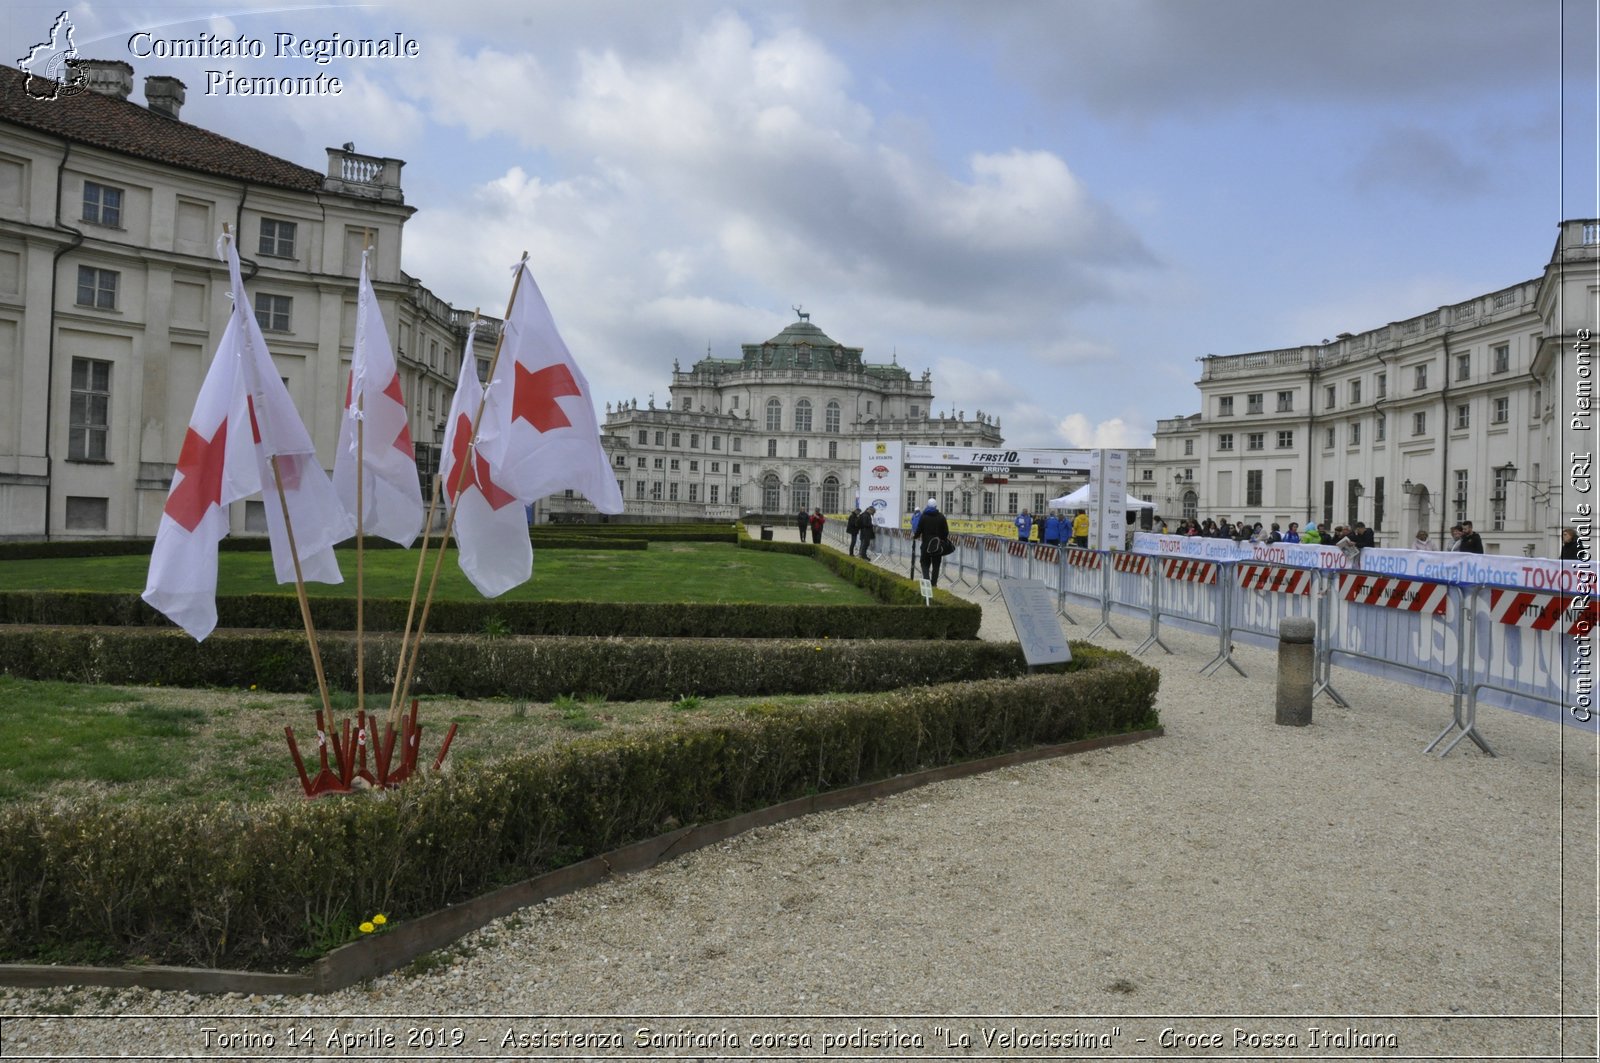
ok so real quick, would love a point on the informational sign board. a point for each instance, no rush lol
(880, 478)
(1108, 519)
(1032, 606)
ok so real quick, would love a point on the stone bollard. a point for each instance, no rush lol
(1297, 658)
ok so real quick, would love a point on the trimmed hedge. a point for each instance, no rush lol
(958, 620)
(567, 538)
(478, 667)
(255, 885)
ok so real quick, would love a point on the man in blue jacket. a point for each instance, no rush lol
(1024, 525)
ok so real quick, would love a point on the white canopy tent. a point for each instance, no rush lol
(1084, 497)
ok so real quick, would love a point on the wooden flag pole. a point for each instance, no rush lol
(361, 505)
(300, 587)
(407, 659)
(294, 554)
(461, 478)
(411, 611)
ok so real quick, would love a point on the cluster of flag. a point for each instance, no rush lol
(531, 433)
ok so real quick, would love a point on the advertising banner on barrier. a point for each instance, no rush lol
(1188, 592)
(1541, 574)
(1263, 596)
(1129, 581)
(1401, 630)
(1526, 651)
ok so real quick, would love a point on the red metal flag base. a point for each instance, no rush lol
(350, 756)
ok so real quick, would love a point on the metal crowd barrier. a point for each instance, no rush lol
(1508, 647)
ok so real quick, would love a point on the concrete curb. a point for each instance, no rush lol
(404, 942)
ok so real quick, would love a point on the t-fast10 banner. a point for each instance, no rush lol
(880, 480)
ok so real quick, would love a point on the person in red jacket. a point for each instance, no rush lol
(817, 521)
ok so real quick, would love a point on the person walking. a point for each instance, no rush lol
(869, 531)
(1471, 541)
(803, 523)
(934, 531)
(817, 521)
(1024, 525)
(1422, 542)
(852, 526)
(1571, 548)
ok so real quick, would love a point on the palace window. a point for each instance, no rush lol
(802, 415)
(277, 238)
(102, 205)
(97, 287)
(774, 415)
(90, 405)
(830, 416)
(272, 312)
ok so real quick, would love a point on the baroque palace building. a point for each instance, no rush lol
(1481, 410)
(780, 429)
(112, 296)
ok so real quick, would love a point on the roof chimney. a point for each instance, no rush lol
(108, 77)
(164, 95)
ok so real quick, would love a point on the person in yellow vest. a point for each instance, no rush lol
(1080, 529)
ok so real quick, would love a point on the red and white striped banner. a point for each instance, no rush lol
(1544, 612)
(1273, 578)
(1042, 552)
(1391, 592)
(992, 545)
(1187, 571)
(1084, 559)
(1016, 549)
(1138, 564)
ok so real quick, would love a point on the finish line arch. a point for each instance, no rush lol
(884, 465)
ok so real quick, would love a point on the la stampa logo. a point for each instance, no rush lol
(49, 64)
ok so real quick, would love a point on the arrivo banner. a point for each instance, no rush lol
(996, 460)
(1448, 566)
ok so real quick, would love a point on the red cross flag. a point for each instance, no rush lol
(222, 460)
(544, 437)
(491, 527)
(391, 495)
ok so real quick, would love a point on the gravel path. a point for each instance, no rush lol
(1234, 880)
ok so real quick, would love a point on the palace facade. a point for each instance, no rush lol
(112, 296)
(780, 429)
(1480, 410)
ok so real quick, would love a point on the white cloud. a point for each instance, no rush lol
(1077, 430)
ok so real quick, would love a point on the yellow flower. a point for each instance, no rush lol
(367, 928)
(379, 919)
(252, 686)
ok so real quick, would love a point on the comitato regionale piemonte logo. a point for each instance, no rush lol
(49, 65)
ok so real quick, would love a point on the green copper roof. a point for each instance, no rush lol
(804, 346)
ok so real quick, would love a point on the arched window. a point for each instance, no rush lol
(1191, 506)
(770, 500)
(802, 415)
(800, 492)
(830, 495)
(774, 415)
(830, 417)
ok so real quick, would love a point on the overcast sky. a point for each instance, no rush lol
(1054, 206)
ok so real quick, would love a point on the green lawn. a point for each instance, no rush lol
(162, 745)
(667, 572)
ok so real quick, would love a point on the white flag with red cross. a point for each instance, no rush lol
(391, 495)
(491, 526)
(544, 437)
(226, 456)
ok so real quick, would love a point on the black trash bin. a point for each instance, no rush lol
(766, 532)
